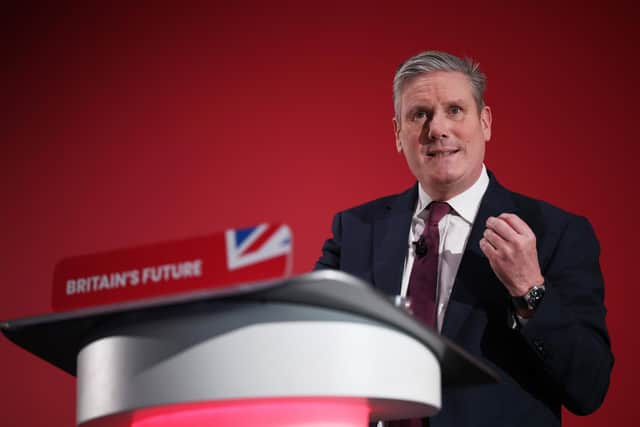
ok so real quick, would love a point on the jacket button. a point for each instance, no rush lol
(539, 346)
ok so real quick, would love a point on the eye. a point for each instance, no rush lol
(454, 110)
(420, 115)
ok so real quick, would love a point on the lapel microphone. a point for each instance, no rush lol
(421, 247)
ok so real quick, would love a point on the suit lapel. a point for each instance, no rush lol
(474, 272)
(390, 234)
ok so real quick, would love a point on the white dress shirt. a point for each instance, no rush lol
(454, 229)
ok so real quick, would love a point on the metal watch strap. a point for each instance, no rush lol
(531, 299)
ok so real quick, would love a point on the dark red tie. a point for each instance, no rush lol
(423, 283)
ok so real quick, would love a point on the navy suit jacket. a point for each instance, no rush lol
(562, 356)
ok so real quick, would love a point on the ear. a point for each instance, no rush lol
(485, 122)
(396, 131)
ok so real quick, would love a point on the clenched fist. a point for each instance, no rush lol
(510, 246)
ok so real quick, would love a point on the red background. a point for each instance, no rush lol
(125, 125)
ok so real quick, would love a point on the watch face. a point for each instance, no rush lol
(534, 297)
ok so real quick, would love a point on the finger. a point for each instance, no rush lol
(502, 228)
(488, 249)
(490, 252)
(494, 239)
(516, 223)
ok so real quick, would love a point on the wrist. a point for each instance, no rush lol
(527, 303)
(521, 289)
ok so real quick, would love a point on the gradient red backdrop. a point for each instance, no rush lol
(124, 125)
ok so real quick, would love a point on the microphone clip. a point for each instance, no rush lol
(420, 247)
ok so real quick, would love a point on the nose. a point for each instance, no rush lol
(437, 127)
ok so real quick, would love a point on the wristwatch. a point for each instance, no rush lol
(531, 300)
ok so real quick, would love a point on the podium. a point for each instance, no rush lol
(323, 348)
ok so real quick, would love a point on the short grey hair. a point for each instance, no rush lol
(431, 61)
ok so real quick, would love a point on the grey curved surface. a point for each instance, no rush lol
(236, 350)
(59, 337)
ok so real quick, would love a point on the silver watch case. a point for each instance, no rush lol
(531, 300)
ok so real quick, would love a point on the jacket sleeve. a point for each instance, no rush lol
(568, 331)
(330, 257)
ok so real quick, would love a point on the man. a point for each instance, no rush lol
(517, 281)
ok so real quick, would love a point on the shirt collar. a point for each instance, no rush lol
(465, 204)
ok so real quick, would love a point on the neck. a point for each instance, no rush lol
(442, 192)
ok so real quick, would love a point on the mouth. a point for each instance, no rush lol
(442, 153)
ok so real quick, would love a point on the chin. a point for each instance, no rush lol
(445, 185)
(444, 179)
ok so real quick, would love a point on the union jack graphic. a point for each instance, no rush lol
(253, 245)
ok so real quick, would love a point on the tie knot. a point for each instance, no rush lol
(436, 211)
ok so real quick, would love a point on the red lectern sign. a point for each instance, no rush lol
(218, 260)
(265, 412)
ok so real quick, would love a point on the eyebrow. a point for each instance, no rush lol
(418, 107)
(455, 102)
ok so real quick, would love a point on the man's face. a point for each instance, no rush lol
(441, 132)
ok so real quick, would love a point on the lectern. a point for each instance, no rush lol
(323, 348)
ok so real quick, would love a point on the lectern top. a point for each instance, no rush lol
(57, 338)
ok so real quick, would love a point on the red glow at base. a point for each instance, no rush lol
(276, 412)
